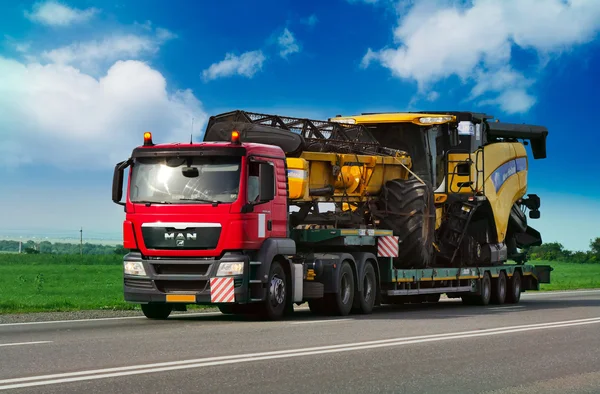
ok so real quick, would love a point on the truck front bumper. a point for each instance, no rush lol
(181, 280)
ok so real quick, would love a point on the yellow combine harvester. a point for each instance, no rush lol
(450, 185)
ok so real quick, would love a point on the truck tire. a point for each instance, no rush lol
(365, 301)
(407, 208)
(513, 291)
(157, 311)
(499, 289)
(274, 306)
(340, 303)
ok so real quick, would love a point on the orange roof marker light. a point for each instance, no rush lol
(148, 138)
(235, 137)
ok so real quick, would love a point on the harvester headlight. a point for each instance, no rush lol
(134, 268)
(227, 269)
(435, 119)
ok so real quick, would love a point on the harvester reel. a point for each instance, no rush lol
(407, 207)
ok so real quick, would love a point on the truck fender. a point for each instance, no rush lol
(332, 275)
(361, 259)
(271, 248)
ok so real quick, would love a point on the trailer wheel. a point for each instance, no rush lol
(341, 302)
(499, 289)
(408, 210)
(157, 311)
(365, 300)
(486, 290)
(513, 294)
(274, 306)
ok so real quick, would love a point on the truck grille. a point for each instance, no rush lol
(180, 269)
(172, 286)
(196, 238)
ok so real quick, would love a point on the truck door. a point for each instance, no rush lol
(260, 224)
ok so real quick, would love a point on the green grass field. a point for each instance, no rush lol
(35, 283)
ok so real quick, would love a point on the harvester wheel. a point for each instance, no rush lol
(365, 300)
(157, 311)
(407, 208)
(513, 294)
(499, 289)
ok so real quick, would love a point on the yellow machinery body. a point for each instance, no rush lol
(501, 167)
(351, 177)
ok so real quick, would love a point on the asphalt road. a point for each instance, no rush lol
(548, 343)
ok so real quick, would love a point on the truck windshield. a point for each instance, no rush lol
(199, 180)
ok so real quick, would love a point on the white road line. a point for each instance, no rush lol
(320, 321)
(32, 381)
(558, 292)
(23, 343)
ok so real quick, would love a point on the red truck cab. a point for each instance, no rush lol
(199, 212)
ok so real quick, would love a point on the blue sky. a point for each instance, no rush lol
(80, 81)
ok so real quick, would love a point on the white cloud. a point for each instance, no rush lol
(55, 114)
(288, 44)
(436, 39)
(53, 13)
(92, 55)
(247, 64)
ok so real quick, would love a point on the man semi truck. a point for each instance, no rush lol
(425, 204)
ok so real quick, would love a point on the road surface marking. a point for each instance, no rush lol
(23, 343)
(320, 321)
(559, 292)
(42, 380)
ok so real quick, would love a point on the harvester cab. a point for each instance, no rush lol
(476, 171)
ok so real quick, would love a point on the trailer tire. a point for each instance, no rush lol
(486, 290)
(406, 207)
(274, 306)
(513, 293)
(157, 311)
(340, 303)
(499, 289)
(365, 301)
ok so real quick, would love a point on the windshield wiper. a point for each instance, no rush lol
(213, 202)
(148, 202)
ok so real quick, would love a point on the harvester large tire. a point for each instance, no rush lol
(407, 207)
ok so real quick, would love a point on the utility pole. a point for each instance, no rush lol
(81, 241)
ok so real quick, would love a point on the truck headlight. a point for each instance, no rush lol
(134, 268)
(226, 269)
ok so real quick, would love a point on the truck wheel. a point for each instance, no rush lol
(499, 289)
(513, 293)
(341, 302)
(365, 301)
(277, 293)
(157, 311)
(486, 290)
(411, 216)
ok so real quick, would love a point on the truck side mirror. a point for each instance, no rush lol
(117, 186)
(267, 182)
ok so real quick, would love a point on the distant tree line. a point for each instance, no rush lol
(554, 251)
(46, 247)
